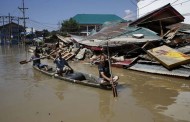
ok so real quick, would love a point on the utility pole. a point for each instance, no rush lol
(9, 28)
(18, 35)
(24, 18)
(3, 31)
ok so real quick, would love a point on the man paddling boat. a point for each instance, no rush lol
(37, 62)
(104, 72)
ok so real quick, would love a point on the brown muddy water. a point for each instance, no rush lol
(26, 95)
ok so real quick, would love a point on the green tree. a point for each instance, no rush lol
(54, 32)
(46, 33)
(70, 26)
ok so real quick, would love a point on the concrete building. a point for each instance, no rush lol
(89, 22)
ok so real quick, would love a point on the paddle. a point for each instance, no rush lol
(25, 61)
(113, 85)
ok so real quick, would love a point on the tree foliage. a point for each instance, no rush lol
(46, 33)
(70, 26)
(43, 33)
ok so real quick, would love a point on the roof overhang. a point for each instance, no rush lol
(165, 15)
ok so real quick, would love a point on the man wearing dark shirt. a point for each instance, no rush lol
(37, 62)
(104, 71)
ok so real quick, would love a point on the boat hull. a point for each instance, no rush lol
(88, 80)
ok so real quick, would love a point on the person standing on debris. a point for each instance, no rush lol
(38, 49)
(104, 71)
(57, 45)
(62, 66)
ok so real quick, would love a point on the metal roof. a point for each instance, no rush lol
(96, 18)
(120, 34)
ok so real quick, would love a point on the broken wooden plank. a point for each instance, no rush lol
(69, 56)
(126, 63)
(169, 57)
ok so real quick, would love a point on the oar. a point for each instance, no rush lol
(25, 61)
(113, 85)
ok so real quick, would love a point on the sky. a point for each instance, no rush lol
(47, 14)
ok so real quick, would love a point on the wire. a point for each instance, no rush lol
(42, 22)
(160, 10)
(41, 25)
(181, 3)
(186, 14)
(150, 4)
(139, 8)
(174, 2)
(133, 3)
(172, 5)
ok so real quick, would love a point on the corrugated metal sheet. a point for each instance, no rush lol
(185, 49)
(158, 69)
(120, 34)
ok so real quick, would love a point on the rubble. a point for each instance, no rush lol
(134, 48)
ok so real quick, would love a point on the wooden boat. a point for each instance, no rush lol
(78, 78)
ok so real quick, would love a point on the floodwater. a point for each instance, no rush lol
(26, 95)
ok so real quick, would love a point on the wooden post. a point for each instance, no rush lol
(113, 85)
(161, 32)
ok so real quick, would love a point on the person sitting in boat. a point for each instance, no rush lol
(37, 62)
(62, 66)
(104, 71)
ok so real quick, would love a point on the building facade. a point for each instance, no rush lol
(10, 33)
(90, 22)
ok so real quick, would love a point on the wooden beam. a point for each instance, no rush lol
(161, 29)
